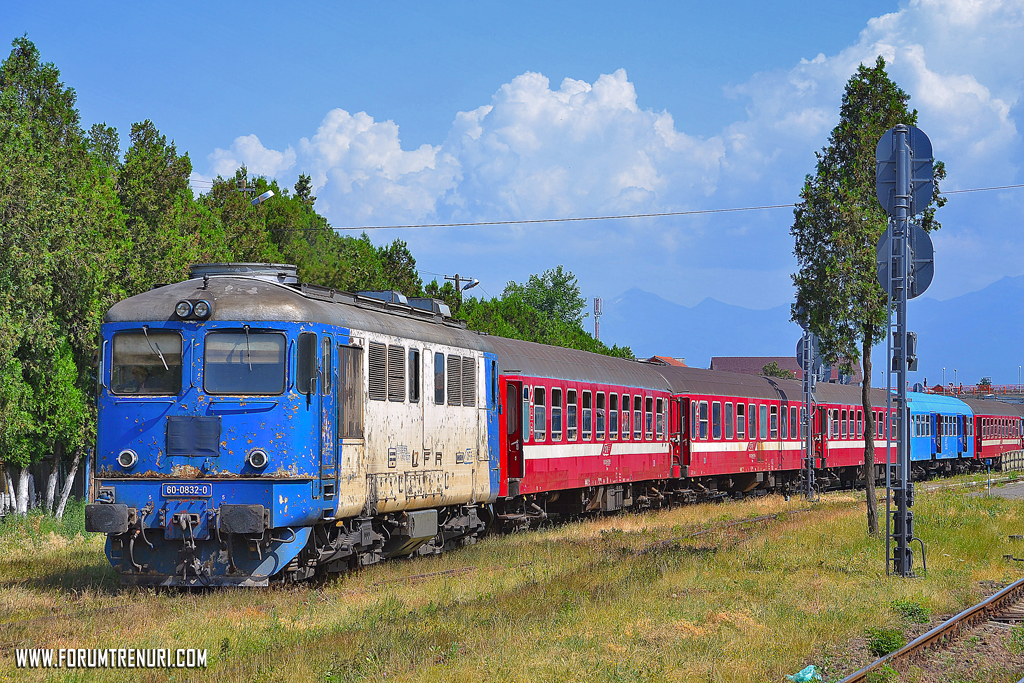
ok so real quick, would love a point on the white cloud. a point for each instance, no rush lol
(585, 148)
(248, 150)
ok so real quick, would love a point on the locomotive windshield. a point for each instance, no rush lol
(146, 362)
(244, 362)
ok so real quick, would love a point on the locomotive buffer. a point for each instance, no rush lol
(903, 184)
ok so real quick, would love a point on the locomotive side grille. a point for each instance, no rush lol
(378, 372)
(454, 380)
(396, 373)
(468, 382)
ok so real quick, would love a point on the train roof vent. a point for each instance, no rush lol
(282, 273)
(390, 296)
(435, 306)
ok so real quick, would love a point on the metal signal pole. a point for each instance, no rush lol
(903, 180)
(809, 378)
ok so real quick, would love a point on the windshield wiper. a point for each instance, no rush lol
(156, 350)
(248, 351)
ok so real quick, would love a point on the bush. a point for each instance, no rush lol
(882, 641)
(911, 611)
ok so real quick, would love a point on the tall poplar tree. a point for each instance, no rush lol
(837, 224)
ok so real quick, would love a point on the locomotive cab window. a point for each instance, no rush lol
(328, 366)
(146, 363)
(247, 362)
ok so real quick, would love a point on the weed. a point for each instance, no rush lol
(886, 674)
(912, 612)
(882, 641)
(1015, 642)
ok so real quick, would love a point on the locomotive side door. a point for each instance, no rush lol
(328, 442)
(309, 379)
(514, 463)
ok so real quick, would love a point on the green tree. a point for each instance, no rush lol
(399, 268)
(304, 190)
(515, 314)
(56, 208)
(836, 226)
(773, 370)
(555, 293)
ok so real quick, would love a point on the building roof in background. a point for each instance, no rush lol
(667, 360)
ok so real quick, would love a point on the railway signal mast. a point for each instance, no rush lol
(903, 184)
(810, 365)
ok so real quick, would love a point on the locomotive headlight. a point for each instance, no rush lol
(257, 458)
(127, 458)
(183, 309)
(202, 309)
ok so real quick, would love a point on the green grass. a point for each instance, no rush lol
(593, 600)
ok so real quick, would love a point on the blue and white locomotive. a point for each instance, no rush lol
(232, 426)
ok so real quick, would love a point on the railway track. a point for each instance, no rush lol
(1006, 606)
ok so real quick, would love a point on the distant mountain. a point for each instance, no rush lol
(980, 334)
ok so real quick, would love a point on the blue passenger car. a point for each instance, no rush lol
(941, 430)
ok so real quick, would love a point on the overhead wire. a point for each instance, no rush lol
(576, 219)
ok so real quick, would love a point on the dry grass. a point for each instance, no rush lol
(604, 599)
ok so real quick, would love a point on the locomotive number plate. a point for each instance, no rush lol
(184, 490)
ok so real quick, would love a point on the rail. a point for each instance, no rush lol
(983, 610)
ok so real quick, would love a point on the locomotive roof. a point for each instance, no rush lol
(253, 299)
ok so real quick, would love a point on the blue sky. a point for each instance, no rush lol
(416, 113)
